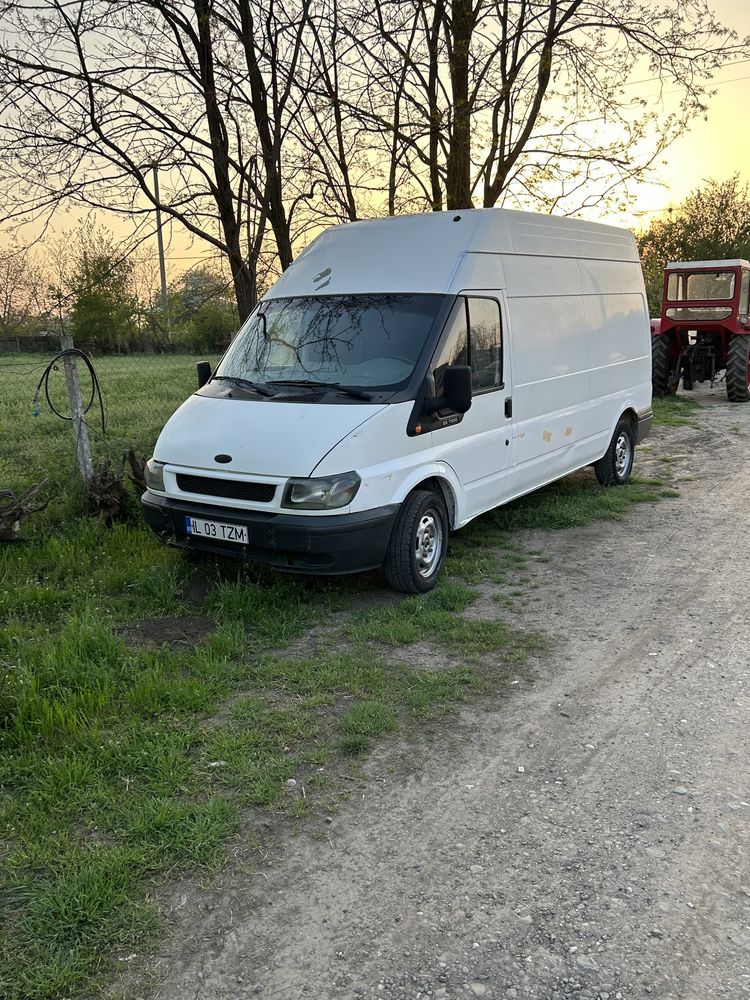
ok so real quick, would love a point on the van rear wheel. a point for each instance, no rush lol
(419, 542)
(616, 464)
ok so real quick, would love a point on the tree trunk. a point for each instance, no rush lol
(458, 165)
(245, 282)
(243, 279)
(433, 48)
(274, 188)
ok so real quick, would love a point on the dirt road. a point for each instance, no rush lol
(590, 837)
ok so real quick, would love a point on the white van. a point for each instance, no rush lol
(403, 376)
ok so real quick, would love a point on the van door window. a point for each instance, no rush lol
(473, 338)
(485, 344)
(455, 350)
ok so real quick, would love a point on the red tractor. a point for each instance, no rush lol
(704, 327)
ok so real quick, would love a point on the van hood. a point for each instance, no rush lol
(263, 438)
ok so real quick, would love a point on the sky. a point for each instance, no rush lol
(713, 149)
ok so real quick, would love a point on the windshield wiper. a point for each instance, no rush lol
(262, 389)
(355, 393)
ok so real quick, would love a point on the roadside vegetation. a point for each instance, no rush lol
(712, 223)
(675, 411)
(147, 702)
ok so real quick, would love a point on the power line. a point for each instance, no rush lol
(657, 79)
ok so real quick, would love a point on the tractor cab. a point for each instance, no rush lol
(704, 327)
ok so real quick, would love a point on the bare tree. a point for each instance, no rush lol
(94, 92)
(482, 101)
(270, 118)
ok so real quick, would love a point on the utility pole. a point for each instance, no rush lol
(160, 239)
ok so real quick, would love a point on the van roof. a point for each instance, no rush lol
(422, 253)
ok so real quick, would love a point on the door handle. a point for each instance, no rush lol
(509, 407)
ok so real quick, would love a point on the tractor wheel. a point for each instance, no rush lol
(662, 381)
(615, 465)
(738, 369)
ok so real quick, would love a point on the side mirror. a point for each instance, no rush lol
(204, 373)
(457, 387)
(456, 391)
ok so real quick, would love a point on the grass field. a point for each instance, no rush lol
(140, 392)
(146, 702)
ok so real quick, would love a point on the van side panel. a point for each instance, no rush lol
(551, 382)
(581, 356)
(618, 362)
(618, 327)
(550, 359)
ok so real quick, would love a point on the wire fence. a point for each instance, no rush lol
(139, 393)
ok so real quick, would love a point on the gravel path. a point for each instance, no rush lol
(589, 838)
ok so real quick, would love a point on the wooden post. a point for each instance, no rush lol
(80, 430)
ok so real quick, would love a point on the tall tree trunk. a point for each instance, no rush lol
(243, 275)
(458, 164)
(433, 48)
(275, 208)
(245, 282)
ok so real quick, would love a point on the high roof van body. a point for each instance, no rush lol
(403, 376)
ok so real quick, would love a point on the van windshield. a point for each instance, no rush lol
(361, 341)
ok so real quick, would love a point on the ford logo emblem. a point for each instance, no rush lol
(223, 459)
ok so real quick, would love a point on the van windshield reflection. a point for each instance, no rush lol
(355, 341)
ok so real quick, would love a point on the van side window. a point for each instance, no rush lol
(744, 290)
(485, 344)
(456, 348)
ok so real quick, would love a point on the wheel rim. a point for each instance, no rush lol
(623, 452)
(428, 543)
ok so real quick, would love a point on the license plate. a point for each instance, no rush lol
(200, 528)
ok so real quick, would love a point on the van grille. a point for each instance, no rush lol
(232, 489)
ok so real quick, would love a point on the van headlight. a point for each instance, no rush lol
(326, 493)
(154, 475)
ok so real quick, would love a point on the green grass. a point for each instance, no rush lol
(675, 411)
(126, 764)
(140, 393)
(122, 765)
(432, 619)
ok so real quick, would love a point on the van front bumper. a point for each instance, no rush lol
(336, 543)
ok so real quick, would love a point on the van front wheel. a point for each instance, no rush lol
(419, 541)
(615, 465)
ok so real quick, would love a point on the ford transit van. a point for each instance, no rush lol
(403, 376)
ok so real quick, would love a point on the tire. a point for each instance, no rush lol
(616, 464)
(418, 544)
(661, 383)
(738, 369)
